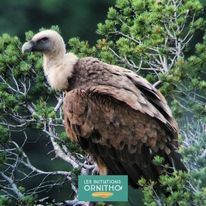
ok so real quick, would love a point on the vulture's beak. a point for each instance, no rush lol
(27, 46)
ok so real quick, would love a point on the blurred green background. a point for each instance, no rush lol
(74, 17)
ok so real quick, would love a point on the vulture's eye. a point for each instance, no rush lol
(43, 40)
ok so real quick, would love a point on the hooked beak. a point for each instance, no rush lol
(27, 46)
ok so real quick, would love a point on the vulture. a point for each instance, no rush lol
(116, 116)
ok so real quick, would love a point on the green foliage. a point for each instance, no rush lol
(43, 111)
(194, 154)
(28, 200)
(4, 135)
(4, 200)
(134, 19)
(67, 142)
(81, 47)
(158, 160)
(177, 187)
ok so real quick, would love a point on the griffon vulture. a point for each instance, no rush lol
(118, 117)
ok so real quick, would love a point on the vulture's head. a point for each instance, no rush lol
(47, 42)
(51, 44)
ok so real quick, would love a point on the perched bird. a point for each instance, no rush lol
(118, 117)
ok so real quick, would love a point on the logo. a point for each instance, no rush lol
(103, 188)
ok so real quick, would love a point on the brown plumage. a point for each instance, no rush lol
(115, 115)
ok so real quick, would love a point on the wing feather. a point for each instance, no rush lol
(125, 86)
(117, 129)
(120, 119)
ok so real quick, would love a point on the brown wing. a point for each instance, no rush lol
(120, 130)
(126, 86)
(155, 98)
